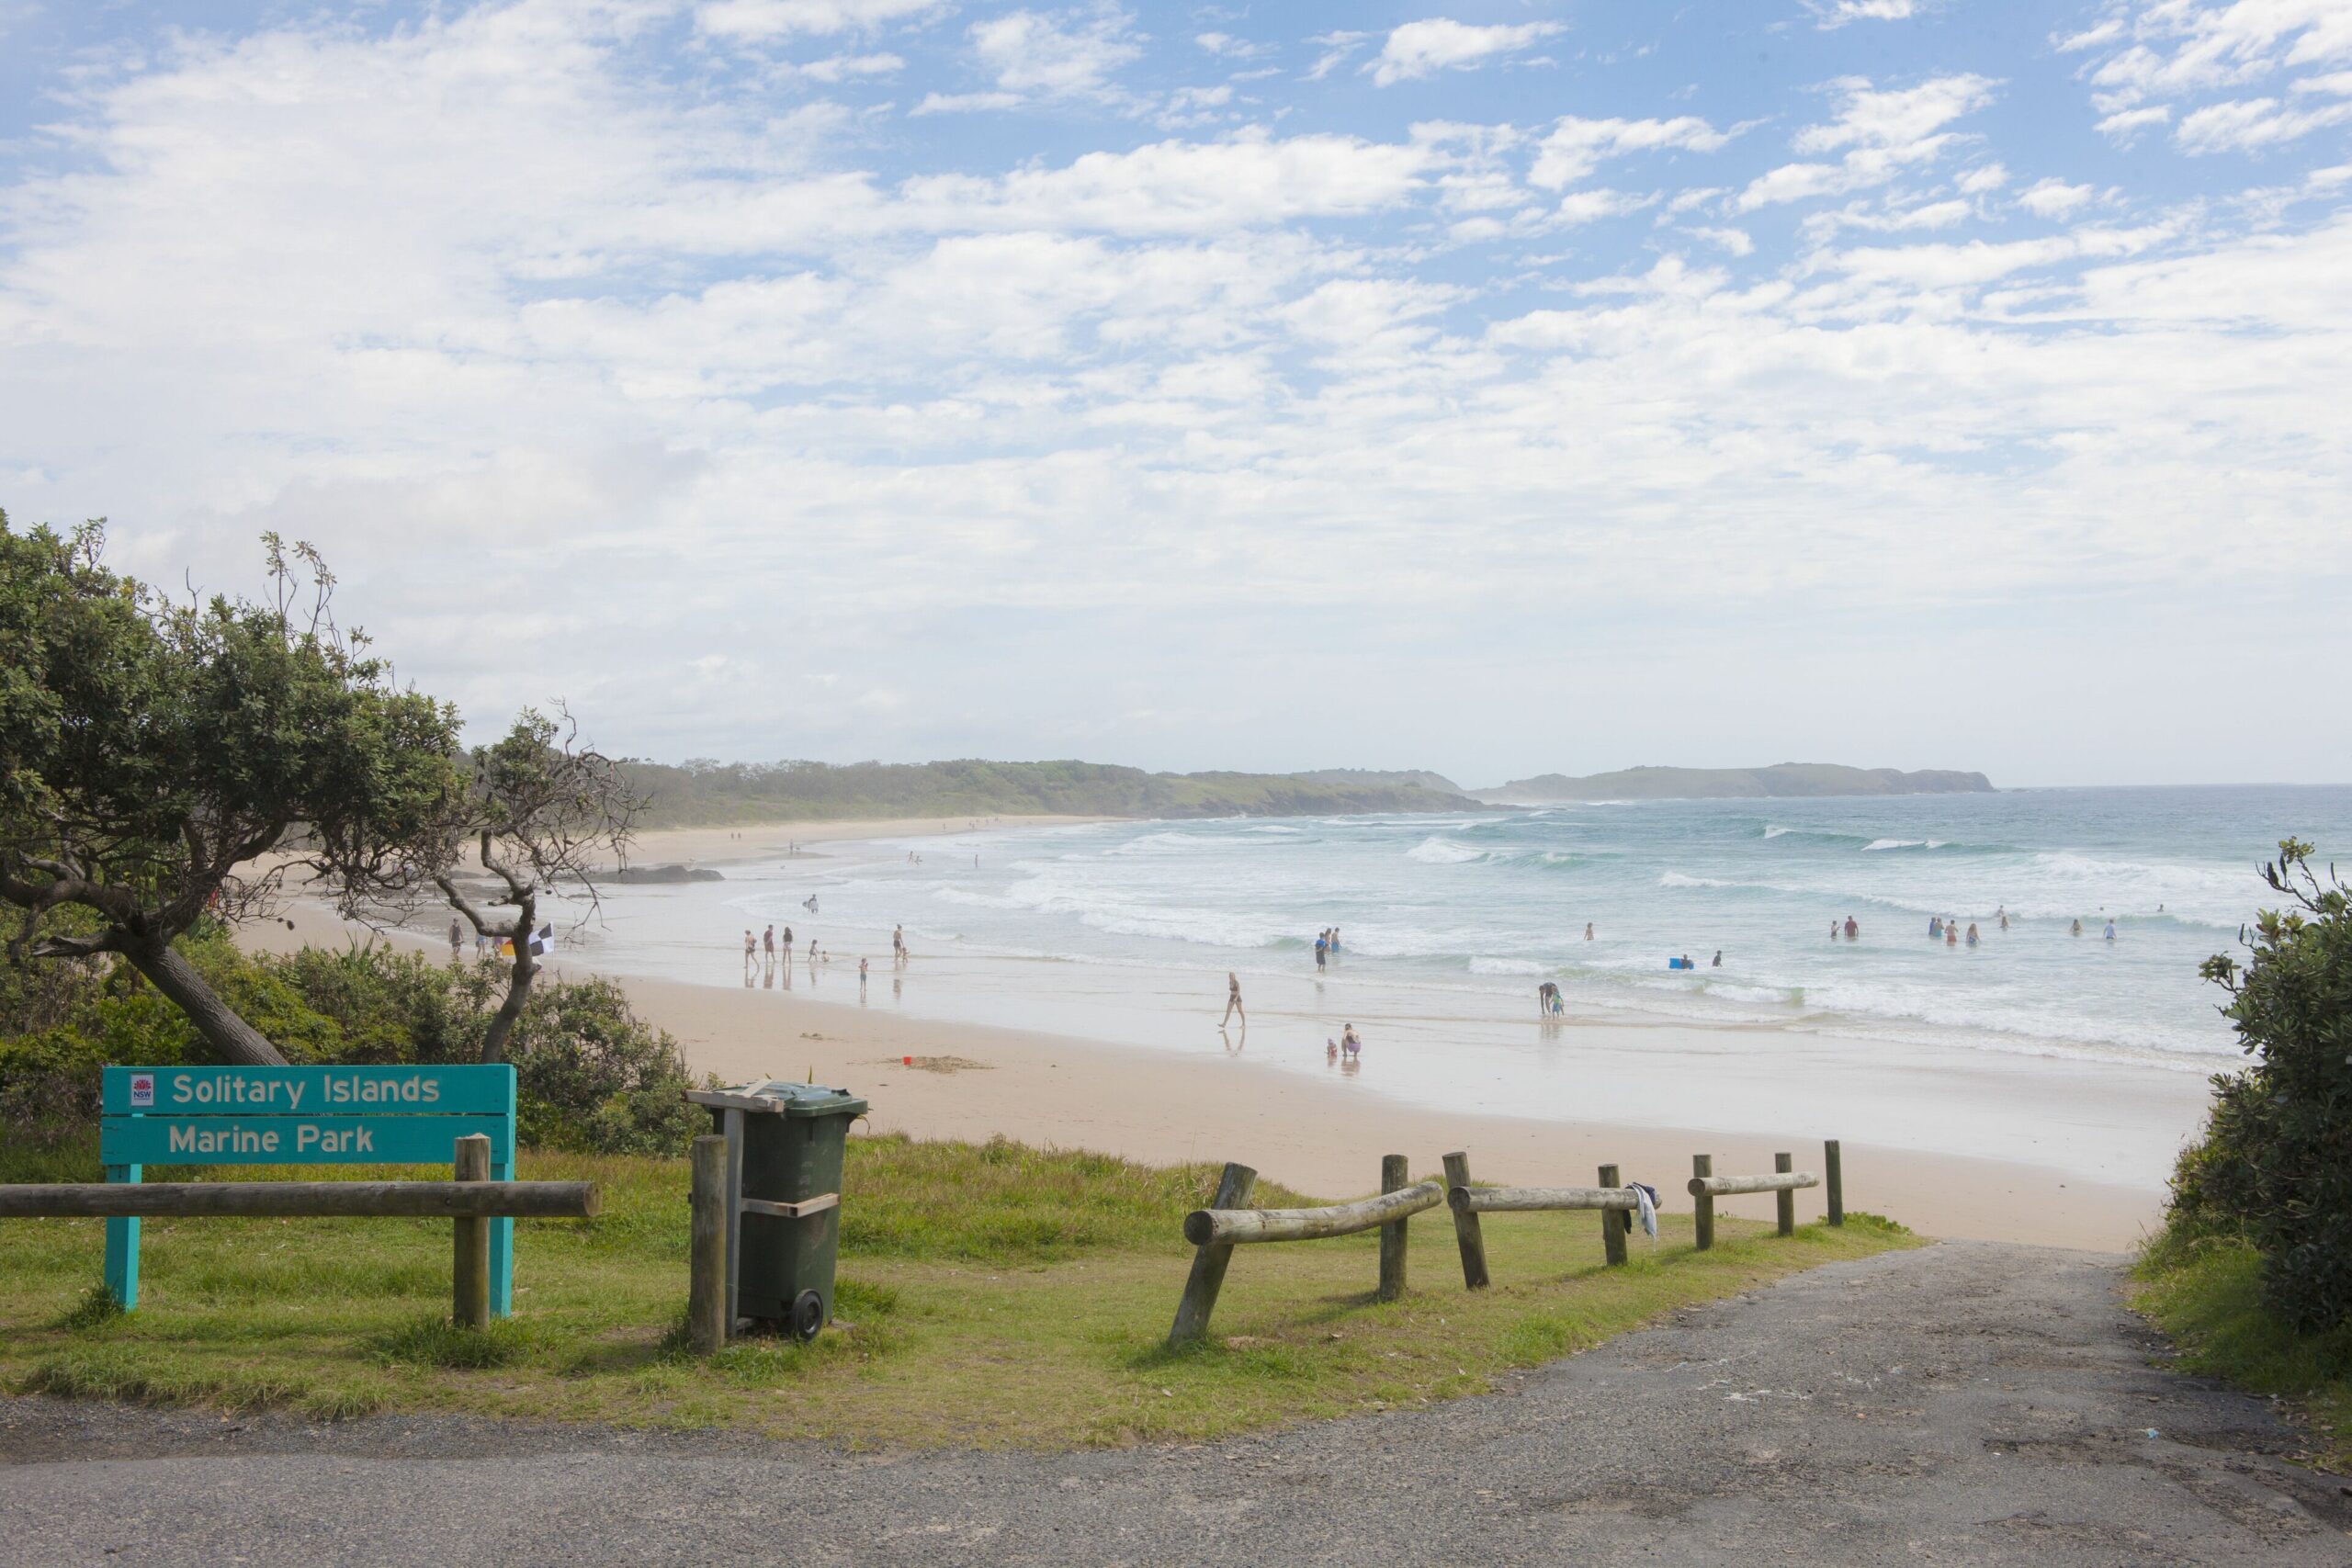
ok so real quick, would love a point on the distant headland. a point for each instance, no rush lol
(1780, 781)
(702, 793)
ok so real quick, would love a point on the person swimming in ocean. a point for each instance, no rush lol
(1935, 927)
(2077, 930)
(1952, 934)
(1588, 930)
(1853, 932)
(1972, 933)
(1719, 959)
(2111, 931)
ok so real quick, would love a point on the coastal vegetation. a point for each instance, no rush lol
(1780, 781)
(150, 748)
(992, 1294)
(591, 1074)
(2253, 1270)
(703, 793)
(163, 763)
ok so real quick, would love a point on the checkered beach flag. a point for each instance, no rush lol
(543, 940)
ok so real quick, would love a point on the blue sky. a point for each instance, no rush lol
(1497, 388)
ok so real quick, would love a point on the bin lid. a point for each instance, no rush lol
(780, 1097)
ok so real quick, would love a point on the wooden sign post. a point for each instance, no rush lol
(303, 1116)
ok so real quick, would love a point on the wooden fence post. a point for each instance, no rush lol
(707, 1326)
(1612, 1222)
(1392, 1234)
(1233, 1190)
(1703, 1205)
(1836, 1176)
(1784, 1164)
(1465, 1225)
(469, 1284)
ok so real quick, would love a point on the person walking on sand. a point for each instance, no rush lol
(767, 943)
(1233, 1000)
(456, 939)
(751, 944)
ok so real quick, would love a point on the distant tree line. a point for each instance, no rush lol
(704, 792)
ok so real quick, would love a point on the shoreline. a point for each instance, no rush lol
(1323, 1134)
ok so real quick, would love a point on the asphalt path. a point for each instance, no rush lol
(1963, 1403)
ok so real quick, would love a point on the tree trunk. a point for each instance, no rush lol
(518, 988)
(238, 1043)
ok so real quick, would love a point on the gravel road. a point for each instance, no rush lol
(1964, 1404)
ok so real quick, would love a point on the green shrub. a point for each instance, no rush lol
(591, 1076)
(2276, 1163)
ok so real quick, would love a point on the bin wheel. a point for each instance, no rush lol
(808, 1315)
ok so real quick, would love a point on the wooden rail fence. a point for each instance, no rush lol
(471, 1201)
(1216, 1230)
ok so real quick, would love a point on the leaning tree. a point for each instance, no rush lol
(157, 755)
(540, 819)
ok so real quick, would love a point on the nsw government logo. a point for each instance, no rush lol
(143, 1090)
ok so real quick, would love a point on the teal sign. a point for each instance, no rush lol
(302, 1116)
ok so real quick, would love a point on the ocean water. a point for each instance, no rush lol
(1483, 907)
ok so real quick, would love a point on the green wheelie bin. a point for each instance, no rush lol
(785, 1158)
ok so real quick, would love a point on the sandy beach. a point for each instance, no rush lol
(1151, 1100)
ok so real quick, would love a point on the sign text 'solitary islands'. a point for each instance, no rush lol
(337, 1091)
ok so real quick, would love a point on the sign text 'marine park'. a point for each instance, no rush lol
(302, 1116)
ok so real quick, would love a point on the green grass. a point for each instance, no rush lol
(2206, 1292)
(994, 1295)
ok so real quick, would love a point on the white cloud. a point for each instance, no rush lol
(843, 67)
(2052, 197)
(1735, 241)
(1874, 116)
(1574, 147)
(1831, 14)
(2174, 49)
(2252, 125)
(1337, 47)
(1588, 206)
(1981, 178)
(1421, 49)
(967, 103)
(761, 19)
(1225, 46)
(2124, 125)
(1884, 132)
(1065, 55)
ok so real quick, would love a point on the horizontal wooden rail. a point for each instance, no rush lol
(1239, 1227)
(1725, 1186)
(410, 1199)
(1509, 1200)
